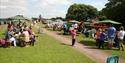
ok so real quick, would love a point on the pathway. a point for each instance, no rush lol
(94, 54)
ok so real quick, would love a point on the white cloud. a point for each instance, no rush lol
(4, 1)
(52, 8)
(98, 4)
(12, 7)
(3, 7)
(47, 8)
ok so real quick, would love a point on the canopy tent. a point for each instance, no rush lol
(73, 21)
(109, 22)
(18, 18)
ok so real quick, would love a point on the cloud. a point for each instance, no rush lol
(47, 8)
(12, 7)
(52, 8)
(99, 4)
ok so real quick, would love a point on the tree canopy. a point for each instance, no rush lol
(115, 10)
(81, 12)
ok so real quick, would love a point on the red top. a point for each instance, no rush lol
(97, 35)
(73, 33)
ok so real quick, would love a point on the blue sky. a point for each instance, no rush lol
(47, 8)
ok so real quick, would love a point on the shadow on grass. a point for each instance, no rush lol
(1, 46)
(65, 44)
(87, 42)
(60, 33)
(91, 47)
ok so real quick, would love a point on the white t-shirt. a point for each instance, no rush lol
(121, 34)
(75, 25)
(12, 39)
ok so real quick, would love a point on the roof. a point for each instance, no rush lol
(18, 17)
(109, 22)
(73, 21)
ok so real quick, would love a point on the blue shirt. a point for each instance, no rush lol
(111, 32)
(65, 26)
(102, 36)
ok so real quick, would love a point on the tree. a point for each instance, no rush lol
(81, 12)
(115, 10)
(101, 16)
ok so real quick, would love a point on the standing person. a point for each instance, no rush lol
(93, 31)
(111, 35)
(121, 35)
(102, 38)
(75, 25)
(73, 33)
(97, 36)
(80, 27)
(116, 40)
(65, 28)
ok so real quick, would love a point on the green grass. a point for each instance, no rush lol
(46, 50)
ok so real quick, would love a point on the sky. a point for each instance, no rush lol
(47, 8)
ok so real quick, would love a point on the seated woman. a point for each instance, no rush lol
(32, 36)
(26, 36)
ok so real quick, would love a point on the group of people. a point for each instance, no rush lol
(112, 36)
(18, 34)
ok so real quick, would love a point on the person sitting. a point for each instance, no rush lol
(8, 35)
(26, 36)
(13, 40)
(2, 42)
(32, 36)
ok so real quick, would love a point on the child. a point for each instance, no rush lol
(97, 36)
(73, 33)
(101, 39)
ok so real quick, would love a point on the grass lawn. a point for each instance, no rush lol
(46, 50)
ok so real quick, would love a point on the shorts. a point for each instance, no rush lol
(110, 40)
